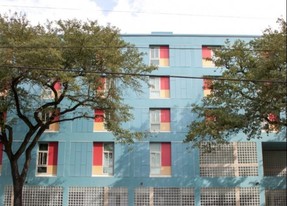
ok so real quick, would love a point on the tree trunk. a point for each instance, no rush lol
(18, 191)
(18, 184)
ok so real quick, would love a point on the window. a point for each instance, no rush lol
(45, 117)
(1, 156)
(210, 116)
(208, 55)
(47, 93)
(160, 87)
(108, 158)
(99, 121)
(275, 197)
(160, 159)
(105, 85)
(274, 163)
(274, 159)
(208, 84)
(207, 87)
(271, 126)
(47, 159)
(229, 160)
(160, 120)
(103, 158)
(159, 55)
(155, 120)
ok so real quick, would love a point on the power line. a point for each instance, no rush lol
(147, 75)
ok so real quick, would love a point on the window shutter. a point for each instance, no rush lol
(53, 153)
(206, 52)
(165, 115)
(102, 83)
(58, 86)
(207, 84)
(164, 83)
(273, 117)
(99, 115)
(57, 117)
(98, 154)
(165, 154)
(164, 52)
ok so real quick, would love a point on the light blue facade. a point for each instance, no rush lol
(132, 162)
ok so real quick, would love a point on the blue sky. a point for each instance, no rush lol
(145, 16)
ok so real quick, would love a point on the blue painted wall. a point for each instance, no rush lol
(132, 161)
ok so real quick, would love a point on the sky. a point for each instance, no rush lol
(242, 17)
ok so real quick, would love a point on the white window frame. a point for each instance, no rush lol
(106, 87)
(44, 116)
(154, 55)
(155, 158)
(110, 162)
(154, 120)
(155, 87)
(47, 93)
(42, 159)
(268, 127)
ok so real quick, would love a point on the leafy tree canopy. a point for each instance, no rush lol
(81, 65)
(250, 96)
(76, 54)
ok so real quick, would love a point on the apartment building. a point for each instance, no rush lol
(80, 163)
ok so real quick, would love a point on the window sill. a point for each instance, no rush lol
(102, 175)
(160, 176)
(45, 175)
(50, 131)
(271, 131)
(101, 131)
(160, 131)
(159, 97)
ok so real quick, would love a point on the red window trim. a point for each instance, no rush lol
(165, 115)
(98, 153)
(164, 52)
(99, 115)
(164, 83)
(53, 153)
(206, 52)
(166, 154)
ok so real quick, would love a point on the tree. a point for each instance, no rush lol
(72, 61)
(250, 96)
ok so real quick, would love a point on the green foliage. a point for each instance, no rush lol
(78, 54)
(252, 87)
